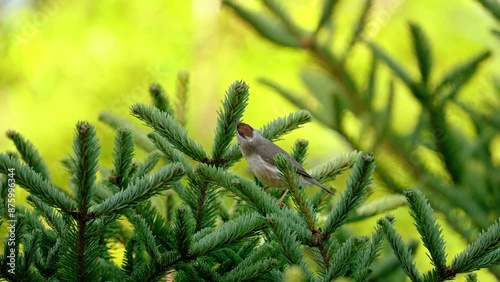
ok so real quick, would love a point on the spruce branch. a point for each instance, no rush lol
(291, 179)
(79, 254)
(156, 222)
(427, 226)
(128, 257)
(202, 199)
(167, 127)
(342, 258)
(378, 206)
(368, 255)
(250, 268)
(369, 92)
(402, 252)
(233, 106)
(415, 88)
(148, 164)
(278, 10)
(86, 148)
(359, 29)
(299, 150)
(160, 99)
(423, 52)
(184, 229)
(171, 153)
(289, 219)
(292, 250)
(29, 153)
(116, 122)
(155, 271)
(283, 125)
(471, 277)
(140, 190)
(182, 91)
(236, 229)
(326, 13)
(356, 188)
(242, 188)
(51, 215)
(483, 252)
(293, 98)
(330, 169)
(271, 29)
(35, 184)
(144, 234)
(123, 153)
(458, 77)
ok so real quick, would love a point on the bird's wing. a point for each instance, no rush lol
(274, 149)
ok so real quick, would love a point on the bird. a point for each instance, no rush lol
(259, 153)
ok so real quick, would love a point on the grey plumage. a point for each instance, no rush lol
(260, 152)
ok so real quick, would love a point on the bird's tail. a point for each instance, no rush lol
(317, 183)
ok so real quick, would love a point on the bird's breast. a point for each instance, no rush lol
(266, 173)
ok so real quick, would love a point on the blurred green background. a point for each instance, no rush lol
(64, 61)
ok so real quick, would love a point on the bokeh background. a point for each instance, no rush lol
(63, 61)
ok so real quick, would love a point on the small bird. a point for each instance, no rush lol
(260, 152)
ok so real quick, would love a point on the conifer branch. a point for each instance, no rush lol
(357, 186)
(415, 88)
(402, 252)
(160, 99)
(144, 234)
(369, 254)
(359, 29)
(288, 219)
(291, 179)
(427, 226)
(86, 148)
(281, 126)
(326, 14)
(458, 77)
(237, 228)
(157, 223)
(233, 106)
(378, 206)
(29, 153)
(471, 277)
(330, 169)
(253, 266)
(167, 127)
(243, 188)
(422, 50)
(123, 154)
(268, 27)
(141, 189)
(299, 150)
(292, 251)
(182, 91)
(148, 164)
(171, 154)
(35, 184)
(184, 230)
(483, 252)
(51, 216)
(342, 258)
(116, 122)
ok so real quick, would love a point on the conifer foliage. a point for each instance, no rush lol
(182, 226)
